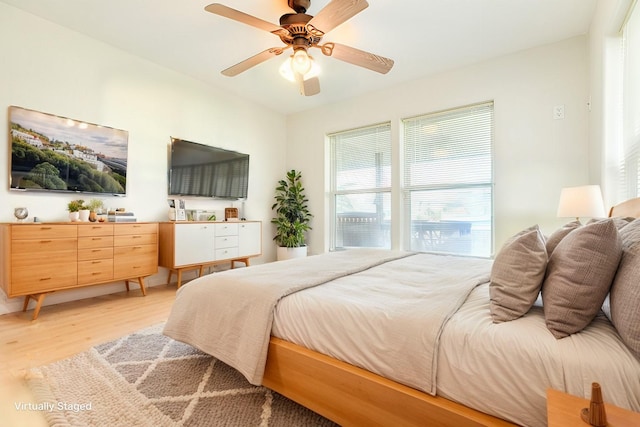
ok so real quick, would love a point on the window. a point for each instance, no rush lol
(448, 181)
(630, 168)
(361, 187)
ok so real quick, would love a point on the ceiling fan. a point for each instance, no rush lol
(302, 32)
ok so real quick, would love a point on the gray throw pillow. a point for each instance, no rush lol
(559, 234)
(517, 274)
(579, 275)
(624, 299)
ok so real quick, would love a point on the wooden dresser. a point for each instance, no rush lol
(38, 259)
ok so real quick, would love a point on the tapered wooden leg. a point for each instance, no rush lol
(169, 278)
(126, 282)
(36, 311)
(142, 288)
(244, 260)
(179, 278)
(26, 302)
(200, 271)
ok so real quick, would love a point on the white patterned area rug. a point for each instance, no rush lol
(148, 379)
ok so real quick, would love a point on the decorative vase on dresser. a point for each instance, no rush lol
(83, 215)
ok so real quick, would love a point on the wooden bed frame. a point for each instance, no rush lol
(628, 208)
(352, 396)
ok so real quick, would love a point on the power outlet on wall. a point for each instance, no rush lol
(558, 112)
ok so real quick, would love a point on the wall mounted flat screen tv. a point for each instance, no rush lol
(53, 153)
(205, 171)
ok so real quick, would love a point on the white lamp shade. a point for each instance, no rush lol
(583, 201)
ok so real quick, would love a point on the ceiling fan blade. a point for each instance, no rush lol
(334, 14)
(358, 57)
(310, 86)
(244, 18)
(253, 61)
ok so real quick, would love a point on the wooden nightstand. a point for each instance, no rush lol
(563, 410)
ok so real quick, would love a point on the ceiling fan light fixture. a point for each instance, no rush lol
(287, 69)
(301, 62)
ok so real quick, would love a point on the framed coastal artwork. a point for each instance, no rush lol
(60, 154)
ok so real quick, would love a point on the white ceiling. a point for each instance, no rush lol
(423, 37)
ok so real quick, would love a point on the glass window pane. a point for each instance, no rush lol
(456, 221)
(448, 181)
(363, 220)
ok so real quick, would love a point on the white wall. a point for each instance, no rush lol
(51, 69)
(535, 155)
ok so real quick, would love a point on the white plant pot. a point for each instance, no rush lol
(73, 216)
(283, 253)
(84, 215)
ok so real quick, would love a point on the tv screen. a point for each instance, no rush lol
(53, 153)
(205, 171)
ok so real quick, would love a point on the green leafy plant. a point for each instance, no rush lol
(75, 205)
(292, 212)
(94, 205)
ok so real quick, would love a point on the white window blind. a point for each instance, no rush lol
(448, 181)
(630, 168)
(361, 187)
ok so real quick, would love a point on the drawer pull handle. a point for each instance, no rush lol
(45, 241)
(96, 262)
(95, 274)
(137, 237)
(97, 238)
(45, 278)
(45, 228)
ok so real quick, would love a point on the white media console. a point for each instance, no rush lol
(197, 244)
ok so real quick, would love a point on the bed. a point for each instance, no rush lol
(369, 337)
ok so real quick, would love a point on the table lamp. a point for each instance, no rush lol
(583, 201)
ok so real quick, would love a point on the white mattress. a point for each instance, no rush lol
(501, 369)
(378, 319)
(506, 368)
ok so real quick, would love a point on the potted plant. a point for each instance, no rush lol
(292, 217)
(74, 208)
(94, 206)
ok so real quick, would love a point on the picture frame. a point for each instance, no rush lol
(55, 153)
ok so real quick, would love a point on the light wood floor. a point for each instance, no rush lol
(63, 330)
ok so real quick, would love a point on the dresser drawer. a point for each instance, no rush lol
(95, 230)
(226, 229)
(99, 270)
(135, 261)
(135, 239)
(94, 242)
(122, 229)
(45, 246)
(95, 253)
(226, 253)
(43, 274)
(226, 242)
(43, 232)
